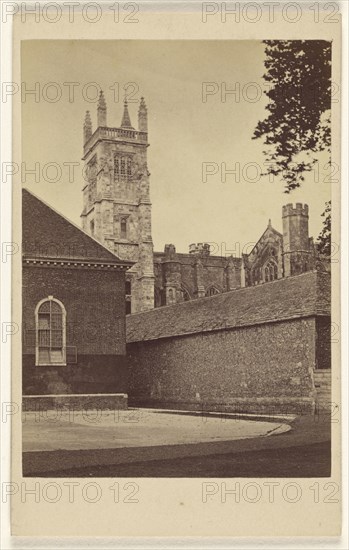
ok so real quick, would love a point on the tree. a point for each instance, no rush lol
(298, 74)
(324, 239)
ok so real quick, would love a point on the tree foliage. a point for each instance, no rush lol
(298, 75)
(324, 239)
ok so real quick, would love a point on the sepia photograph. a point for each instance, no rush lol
(174, 242)
(177, 253)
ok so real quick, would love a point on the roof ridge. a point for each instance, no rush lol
(221, 294)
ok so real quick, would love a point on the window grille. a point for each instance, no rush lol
(50, 317)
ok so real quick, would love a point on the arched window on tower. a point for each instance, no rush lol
(50, 323)
(123, 167)
(123, 228)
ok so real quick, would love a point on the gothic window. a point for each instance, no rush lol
(122, 168)
(184, 294)
(92, 227)
(50, 323)
(270, 271)
(123, 228)
(212, 291)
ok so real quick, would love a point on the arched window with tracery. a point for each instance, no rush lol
(50, 323)
(270, 271)
(212, 291)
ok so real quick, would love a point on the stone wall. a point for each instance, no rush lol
(258, 368)
(74, 402)
(323, 344)
(250, 350)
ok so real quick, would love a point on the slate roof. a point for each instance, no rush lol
(48, 234)
(302, 295)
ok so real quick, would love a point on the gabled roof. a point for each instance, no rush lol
(270, 229)
(305, 295)
(48, 234)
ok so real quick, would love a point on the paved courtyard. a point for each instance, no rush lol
(150, 443)
(78, 430)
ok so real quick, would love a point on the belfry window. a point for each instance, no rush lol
(122, 168)
(50, 322)
(129, 167)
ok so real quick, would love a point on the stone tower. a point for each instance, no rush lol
(117, 208)
(297, 249)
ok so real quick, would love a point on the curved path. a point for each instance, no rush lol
(300, 447)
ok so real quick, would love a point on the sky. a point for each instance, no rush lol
(185, 133)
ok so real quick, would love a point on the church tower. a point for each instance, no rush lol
(117, 208)
(297, 247)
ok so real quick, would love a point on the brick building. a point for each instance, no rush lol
(73, 307)
(117, 212)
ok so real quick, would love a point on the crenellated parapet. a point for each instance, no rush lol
(297, 250)
(298, 210)
(199, 249)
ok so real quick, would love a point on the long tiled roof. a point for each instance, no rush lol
(48, 234)
(302, 295)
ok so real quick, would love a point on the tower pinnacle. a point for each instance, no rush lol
(126, 121)
(87, 127)
(101, 110)
(142, 116)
